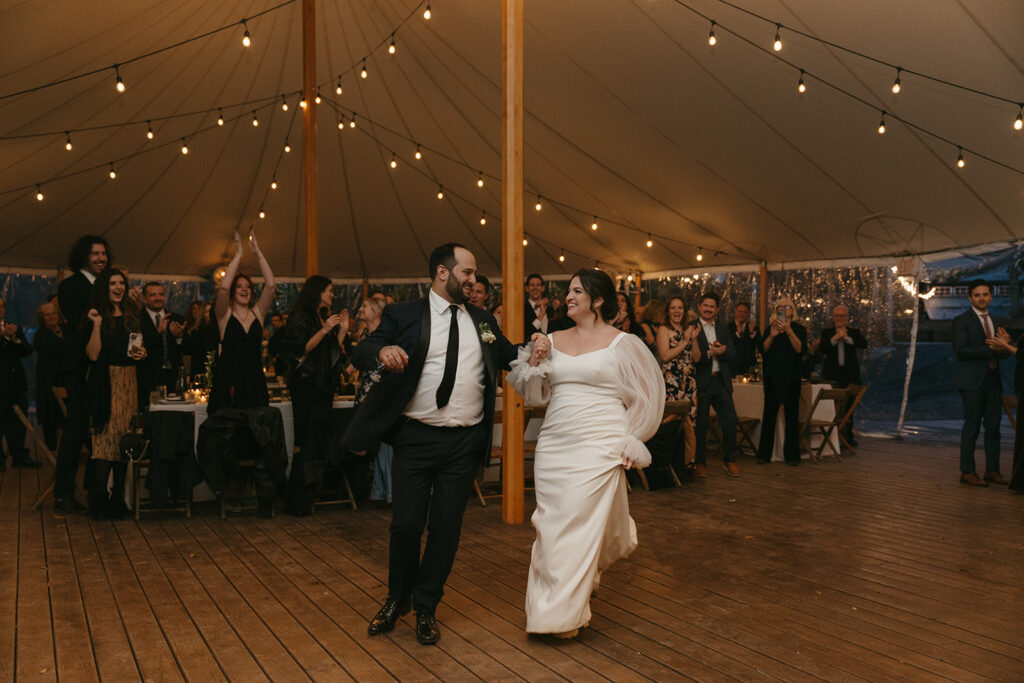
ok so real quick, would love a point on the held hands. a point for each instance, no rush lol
(541, 348)
(393, 358)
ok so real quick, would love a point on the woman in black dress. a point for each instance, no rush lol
(312, 349)
(783, 348)
(111, 385)
(238, 379)
(49, 344)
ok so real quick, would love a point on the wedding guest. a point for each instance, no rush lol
(90, 256)
(162, 334)
(625, 317)
(678, 351)
(238, 379)
(977, 378)
(481, 292)
(13, 391)
(714, 385)
(498, 311)
(51, 337)
(745, 337)
(311, 350)
(111, 387)
(1004, 345)
(199, 338)
(784, 346)
(652, 318)
(370, 313)
(537, 312)
(839, 345)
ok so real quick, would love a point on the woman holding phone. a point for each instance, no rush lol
(114, 349)
(784, 347)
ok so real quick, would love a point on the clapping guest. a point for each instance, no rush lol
(652, 318)
(370, 313)
(537, 312)
(49, 344)
(784, 347)
(13, 391)
(113, 355)
(481, 295)
(162, 334)
(839, 344)
(746, 338)
(678, 352)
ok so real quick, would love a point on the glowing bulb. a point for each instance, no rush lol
(629, 278)
(113, 173)
(1019, 123)
(700, 255)
(39, 194)
(317, 98)
(337, 88)
(394, 162)
(273, 184)
(440, 192)
(263, 214)
(960, 158)
(119, 84)
(525, 241)
(246, 41)
(881, 125)
(479, 179)
(184, 147)
(561, 258)
(712, 40)
(392, 48)
(801, 87)
(287, 147)
(341, 123)
(593, 226)
(149, 131)
(363, 73)
(284, 104)
(896, 86)
(302, 103)
(539, 205)
(67, 141)
(220, 118)
(426, 12)
(483, 218)
(352, 123)
(650, 242)
(255, 121)
(777, 45)
(418, 154)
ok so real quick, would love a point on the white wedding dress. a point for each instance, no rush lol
(602, 406)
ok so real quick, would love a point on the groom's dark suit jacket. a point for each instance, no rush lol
(407, 325)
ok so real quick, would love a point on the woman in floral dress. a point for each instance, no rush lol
(678, 351)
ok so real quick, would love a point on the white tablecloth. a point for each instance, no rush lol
(749, 401)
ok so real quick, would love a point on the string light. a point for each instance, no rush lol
(287, 147)
(700, 254)
(341, 122)
(113, 173)
(629, 278)
(593, 226)
(352, 123)
(118, 84)
(363, 73)
(392, 48)
(149, 131)
(960, 158)
(525, 241)
(184, 147)
(39, 194)
(302, 103)
(220, 118)
(561, 257)
(1019, 123)
(479, 179)
(284, 103)
(440, 192)
(418, 155)
(483, 218)
(426, 12)
(67, 141)
(801, 87)
(539, 205)
(881, 125)
(777, 45)
(255, 121)
(273, 183)
(337, 88)
(317, 98)
(712, 40)
(394, 162)
(650, 242)
(896, 85)
(246, 41)
(263, 214)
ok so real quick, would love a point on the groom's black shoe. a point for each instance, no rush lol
(427, 631)
(385, 619)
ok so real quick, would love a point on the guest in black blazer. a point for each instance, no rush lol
(714, 373)
(976, 377)
(162, 335)
(745, 337)
(13, 391)
(538, 313)
(784, 346)
(839, 345)
(435, 405)
(89, 257)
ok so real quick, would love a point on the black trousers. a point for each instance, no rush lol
(791, 404)
(11, 428)
(984, 404)
(104, 503)
(308, 404)
(719, 396)
(75, 437)
(439, 459)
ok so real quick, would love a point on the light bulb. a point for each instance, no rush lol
(801, 87)
(273, 184)
(284, 103)
(539, 205)
(418, 154)
(561, 258)
(220, 118)
(440, 192)
(263, 214)
(525, 241)
(629, 278)
(255, 121)
(712, 40)
(39, 194)
(302, 103)
(960, 158)
(896, 86)
(337, 88)
(483, 218)
(352, 123)
(1019, 123)
(700, 255)
(287, 147)
(650, 242)
(149, 131)
(67, 141)
(777, 45)
(246, 41)
(363, 73)
(119, 84)
(881, 125)
(479, 179)
(392, 48)
(426, 12)
(593, 226)
(341, 123)
(394, 162)
(184, 147)
(317, 98)
(113, 173)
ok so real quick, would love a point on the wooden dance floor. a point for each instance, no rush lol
(881, 567)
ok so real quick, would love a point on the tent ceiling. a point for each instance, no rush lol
(630, 117)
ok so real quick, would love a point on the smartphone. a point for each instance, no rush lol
(781, 316)
(134, 341)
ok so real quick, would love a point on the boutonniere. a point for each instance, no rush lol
(486, 336)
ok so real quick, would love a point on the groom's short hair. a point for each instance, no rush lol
(443, 255)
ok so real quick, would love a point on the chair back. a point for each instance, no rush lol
(1010, 407)
(61, 394)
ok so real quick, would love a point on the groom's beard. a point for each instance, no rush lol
(455, 292)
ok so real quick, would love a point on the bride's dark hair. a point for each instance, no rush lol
(598, 285)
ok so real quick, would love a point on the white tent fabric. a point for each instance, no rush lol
(631, 117)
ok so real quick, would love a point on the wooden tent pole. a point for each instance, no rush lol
(513, 423)
(309, 162)
(762, 296)
(639, 289)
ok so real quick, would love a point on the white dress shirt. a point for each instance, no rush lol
(709, 332)
(466, 405)
(990, 328)
(156, 323)
(88, 275)
(541, 321)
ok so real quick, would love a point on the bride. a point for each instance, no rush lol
(605, 396)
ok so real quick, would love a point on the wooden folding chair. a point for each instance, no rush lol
(61, 394)
(826, 427)
(680, 409)
(856, 393)
(40, 441)
(529, 449)
(1010, 406)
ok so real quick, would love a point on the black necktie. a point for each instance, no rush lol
(451, 361)
(166, 365)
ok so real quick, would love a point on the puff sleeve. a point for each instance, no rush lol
(531, 381)
(642, 388)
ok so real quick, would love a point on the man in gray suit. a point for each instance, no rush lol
(714, 385)
(977, 379)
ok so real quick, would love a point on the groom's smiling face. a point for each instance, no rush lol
(458, 284)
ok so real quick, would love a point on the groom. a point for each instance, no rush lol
(436, 407)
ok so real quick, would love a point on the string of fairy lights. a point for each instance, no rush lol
(348, 117)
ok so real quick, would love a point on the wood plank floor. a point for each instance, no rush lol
(881, 567)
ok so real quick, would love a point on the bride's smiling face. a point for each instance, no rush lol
(577, 301)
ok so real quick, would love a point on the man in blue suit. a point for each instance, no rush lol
(978, 381)
(435, 405)
(714, 374)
